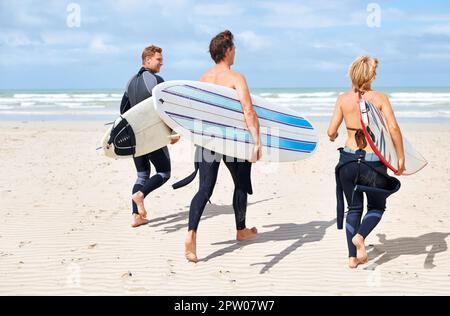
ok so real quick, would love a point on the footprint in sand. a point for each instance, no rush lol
(126, 275)
(24, 243)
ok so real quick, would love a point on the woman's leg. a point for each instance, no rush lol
(376, 203)
(355, 201)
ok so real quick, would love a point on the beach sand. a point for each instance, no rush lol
(65, 224)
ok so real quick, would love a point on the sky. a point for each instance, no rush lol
(59, 44)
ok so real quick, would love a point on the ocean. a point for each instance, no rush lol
(424, 104)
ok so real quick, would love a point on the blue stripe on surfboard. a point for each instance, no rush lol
(257, 106)
(237, 128)
(214, 99)
(237, 134)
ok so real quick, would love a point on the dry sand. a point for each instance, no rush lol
(65, 214)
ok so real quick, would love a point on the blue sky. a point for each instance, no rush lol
(279, 43)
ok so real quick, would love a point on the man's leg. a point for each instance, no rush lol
(208, 169)
(241, 174)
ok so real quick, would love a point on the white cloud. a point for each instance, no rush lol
(28, 13)
(194, 64)
(431, 18)
(38, 56)
(252, 41)
(151, 7)
(187, 48)
(217, 10)
(98, 46)
(312, 36)
(16, 39)
(435, 56)
(393, 14)
(203, 28)
(173, 8)
(316, 14)
(127, 5)
(438, 30)
(340, 47)
(285, 9)
(66, 37)
(26, 19)
(327, 65)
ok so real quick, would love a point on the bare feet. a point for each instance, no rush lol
(361, 253)
(138, 198)
(138, 221)
(190, 246)
(244, 234)
(353, 262)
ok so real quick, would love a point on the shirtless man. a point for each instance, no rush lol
(222, 51)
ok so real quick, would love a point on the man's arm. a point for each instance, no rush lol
(251, 119)
(125, 104)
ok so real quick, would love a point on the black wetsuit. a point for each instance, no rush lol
(138, 89)
(208, 163)
(355, 176)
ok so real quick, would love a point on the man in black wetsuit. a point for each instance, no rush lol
(138, 89)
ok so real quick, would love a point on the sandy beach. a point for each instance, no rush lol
(65, 224)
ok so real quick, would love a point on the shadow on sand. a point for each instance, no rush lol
(299, 234)
(178, 221)
(390, 249)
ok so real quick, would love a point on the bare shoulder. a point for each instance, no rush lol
(236, 75)
(344, 97)
(380, 96)
(206, 75)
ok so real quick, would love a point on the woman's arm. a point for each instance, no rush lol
(394, 130)
(335, 122)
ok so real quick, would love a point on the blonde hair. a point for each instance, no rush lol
(362, 72)
(150, 51)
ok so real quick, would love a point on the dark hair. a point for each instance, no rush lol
(219, 45)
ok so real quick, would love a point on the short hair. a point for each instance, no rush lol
(150, 51)
(220, 44)
(362, 72)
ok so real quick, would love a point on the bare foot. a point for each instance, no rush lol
(138, 198)
(353, 263)
(244, 234)
(361, 253)
(138, 221)
(190, 247)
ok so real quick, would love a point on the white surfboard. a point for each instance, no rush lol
(211, 116)
(137, 132)
(378, 136)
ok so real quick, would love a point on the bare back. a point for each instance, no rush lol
(348, 104)
(220, 76)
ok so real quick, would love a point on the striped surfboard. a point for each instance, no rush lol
(377, 134)
(211, 116)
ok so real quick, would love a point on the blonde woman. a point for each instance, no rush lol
(359, 170)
